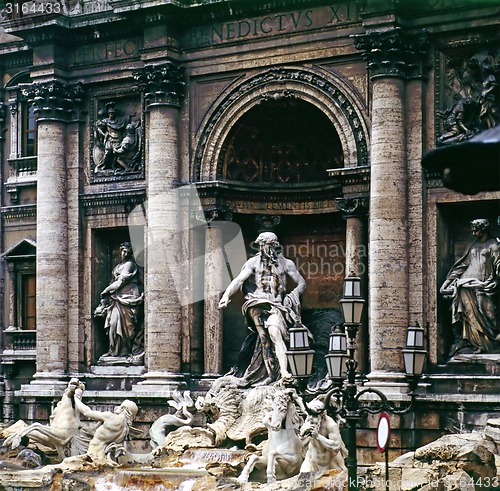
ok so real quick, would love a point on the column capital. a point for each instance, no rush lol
(352, 207)
(208, 216)
(56, 101)
(161, 84)
(393, 53)
(267, 223)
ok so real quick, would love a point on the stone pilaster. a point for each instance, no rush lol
(163, 91)
(55, 104)
(3, 125)
(391, 57)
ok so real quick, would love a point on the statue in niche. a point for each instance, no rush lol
(122, 308)
(269, 311)
(473, 284)
(117, 145)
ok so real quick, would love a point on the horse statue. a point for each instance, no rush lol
(182, 417)
(63, 429)
(325, 448)
(282, 453)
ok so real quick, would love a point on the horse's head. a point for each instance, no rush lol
(282, 403)
(74, 384)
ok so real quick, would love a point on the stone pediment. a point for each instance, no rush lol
(23, 249)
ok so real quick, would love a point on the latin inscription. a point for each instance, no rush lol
(281, 206)
(272, 24)
(106, 52)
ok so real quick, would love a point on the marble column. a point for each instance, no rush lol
(213, 285)
(355, 211)
(54, 104)
(391, 57)
(163, 90)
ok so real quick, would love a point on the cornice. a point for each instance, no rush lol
(18, 212)
(259, 192)
(112, 201)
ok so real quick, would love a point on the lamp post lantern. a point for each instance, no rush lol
(342, 365)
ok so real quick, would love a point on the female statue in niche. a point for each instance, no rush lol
(473, 284)
(122, 307)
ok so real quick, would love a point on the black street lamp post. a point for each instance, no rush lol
(340, 362)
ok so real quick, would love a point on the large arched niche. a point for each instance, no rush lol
(327, 92)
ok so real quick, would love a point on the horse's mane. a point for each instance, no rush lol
(284, 398)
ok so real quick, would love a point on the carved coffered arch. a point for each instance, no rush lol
(333, 96)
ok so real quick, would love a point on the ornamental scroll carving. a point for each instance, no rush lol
(469, 94)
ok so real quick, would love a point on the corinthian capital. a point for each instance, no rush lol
(352, 207)
(161, 84)
(393, 53)
(56, 101)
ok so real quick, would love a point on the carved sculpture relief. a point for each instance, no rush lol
(470, 95)
(117, 140)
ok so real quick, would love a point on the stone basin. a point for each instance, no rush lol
(142, 478)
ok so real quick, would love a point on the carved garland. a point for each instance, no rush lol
(284, 75)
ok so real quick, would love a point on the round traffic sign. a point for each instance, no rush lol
(383, 432)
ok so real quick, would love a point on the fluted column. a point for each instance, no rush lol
(55, 104)
(391, 58)
(163, 91)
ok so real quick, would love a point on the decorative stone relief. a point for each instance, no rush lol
(393, 53)
(117, 139)
(162, 84)
(469, 95)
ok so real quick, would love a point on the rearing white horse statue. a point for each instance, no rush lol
(283, 451)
